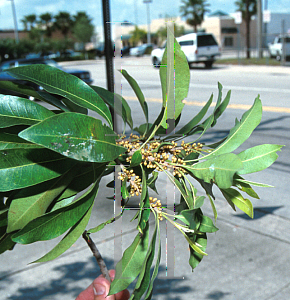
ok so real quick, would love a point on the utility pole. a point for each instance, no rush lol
(260, 31)
(15, 21)
(148, 20)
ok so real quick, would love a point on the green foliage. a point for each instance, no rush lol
(50, 157)
(138, 35)
(83, 29)
(194, 11)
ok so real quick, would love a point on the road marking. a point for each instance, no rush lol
(231, 106)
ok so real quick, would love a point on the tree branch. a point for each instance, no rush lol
(97, 255)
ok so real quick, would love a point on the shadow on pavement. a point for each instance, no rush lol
(66, 282)
(259, 212)
(217, 295)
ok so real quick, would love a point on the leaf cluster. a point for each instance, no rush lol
(52, 162)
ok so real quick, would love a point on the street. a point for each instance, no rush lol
(248, 259)
(245, 83)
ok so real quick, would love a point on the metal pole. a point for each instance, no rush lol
(148, 24)
(283, 41)
(148, 20)
(108, 50)
(265, 24)
(15, 22)
(259, 12)
(136, 12)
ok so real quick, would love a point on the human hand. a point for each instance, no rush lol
(99, 289)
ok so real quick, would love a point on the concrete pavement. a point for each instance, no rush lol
(247, 260)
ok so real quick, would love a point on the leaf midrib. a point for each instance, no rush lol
(259, 156)
(37, 163)
(71, 94)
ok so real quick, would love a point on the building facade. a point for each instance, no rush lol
(229, 35)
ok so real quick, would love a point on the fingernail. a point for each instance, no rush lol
(99, 289)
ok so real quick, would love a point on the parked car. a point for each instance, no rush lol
(141, 50)
(100, 51)
(276, 48)
(83, 75)
(126, 51)
(198, 48)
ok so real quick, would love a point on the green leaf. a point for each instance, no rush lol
(195, 258)
(189, 215)
(70, 238)
(148, 295)
(46, 97)
(61, 83)
(32, 202)
(102, 225)
(85, 177)
(21, 89)
(219, 169)
(136, 159)
(21, 168)
(74, 107)
(241, 131)
(128, 268)
(3, 217)
(195, 120)
(76, 136)
(6, 243)
(221, 106)
(206, 225)
(212, 206)
(144, 214)
(198, 202)
(12, 141)
(144, 277)
(53, 224)
(253, 183)
(175, 78)
(116, 102)
(138, 93)
(237, 199)
(193, 244)
(16, 111)
(258, 158)
(124, 189)
(187, 197)
(245, 187)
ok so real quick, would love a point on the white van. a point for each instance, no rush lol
(198, 48)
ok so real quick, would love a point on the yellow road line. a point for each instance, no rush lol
(232, 106)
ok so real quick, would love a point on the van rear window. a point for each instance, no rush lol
(206, 40)
(186, 43)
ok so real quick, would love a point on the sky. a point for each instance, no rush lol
(121, 10)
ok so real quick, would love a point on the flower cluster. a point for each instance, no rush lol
(157, 206)
(155, 155)
(133, 179)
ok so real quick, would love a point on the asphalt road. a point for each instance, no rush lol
(247, 259)
(245, 83)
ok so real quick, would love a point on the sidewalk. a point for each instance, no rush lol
(247, 260)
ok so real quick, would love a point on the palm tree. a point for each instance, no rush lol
(29, 19)
(46, 20)
(63, 22)
(24, 21)
(194, 11)
(248, 9)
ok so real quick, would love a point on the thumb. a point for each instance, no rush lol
(101, 290)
